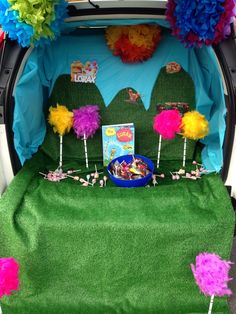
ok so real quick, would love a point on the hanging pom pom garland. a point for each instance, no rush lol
(166, 124)
(86, 123)
(211, 274)
(194, 126)
(9, 276)
(197, 22)
(30, 22)
(62, 121)
(135, 43)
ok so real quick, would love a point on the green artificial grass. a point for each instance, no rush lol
(112, 250)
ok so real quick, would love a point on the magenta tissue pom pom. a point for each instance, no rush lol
(9, 272)
(167, 123)
(86, 121)
(212, 274)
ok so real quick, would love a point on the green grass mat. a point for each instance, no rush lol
(111, 250)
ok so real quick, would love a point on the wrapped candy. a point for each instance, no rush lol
(136, 169)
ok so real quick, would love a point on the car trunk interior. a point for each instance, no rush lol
(114, 250)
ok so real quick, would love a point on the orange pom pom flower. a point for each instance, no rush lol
(134, 43)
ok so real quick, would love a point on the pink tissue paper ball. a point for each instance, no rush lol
(167, 123)
(212, 274)
(9, 276)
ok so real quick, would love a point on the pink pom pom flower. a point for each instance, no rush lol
(9, 272)
(86, 121)
(167, 123)
(212, 274)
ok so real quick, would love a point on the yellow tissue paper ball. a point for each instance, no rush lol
(194, 125)
(61, 119)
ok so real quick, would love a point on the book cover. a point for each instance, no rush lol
(117, 140)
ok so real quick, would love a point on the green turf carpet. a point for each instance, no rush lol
(111, 250)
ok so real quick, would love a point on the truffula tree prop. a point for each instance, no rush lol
(86, 123)
(62, 121)
(167, 125)
(194, 126)
(212, 276)
(9, 277)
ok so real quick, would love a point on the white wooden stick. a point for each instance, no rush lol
(61, 152)
(211, 304)
(0, 309)
(159, 151)
(86, 151)
(184, 154)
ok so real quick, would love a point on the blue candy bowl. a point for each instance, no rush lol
(131, 183)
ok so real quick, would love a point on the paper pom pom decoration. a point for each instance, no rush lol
(198, 22)
(86, 123)
(212, 275)
(32, 22)
(62, 121)
(166, 124)
(135, 43)
(194, 125)
(9, 273)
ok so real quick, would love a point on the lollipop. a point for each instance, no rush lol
(166, 124)
(9, 272)
(86, 123)
(211, 274)
(62, 120)
(194, 126)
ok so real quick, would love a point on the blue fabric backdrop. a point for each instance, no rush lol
(46, 64)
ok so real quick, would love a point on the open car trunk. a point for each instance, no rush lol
(114, 250)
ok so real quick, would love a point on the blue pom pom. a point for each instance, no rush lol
(22, 32)
(200, 17)
(16, 30)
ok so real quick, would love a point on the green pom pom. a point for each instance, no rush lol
(37, 13)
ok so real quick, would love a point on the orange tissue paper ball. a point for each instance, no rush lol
(135, 43)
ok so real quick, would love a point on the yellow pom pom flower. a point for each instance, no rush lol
(61, 119)
(194, 125)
